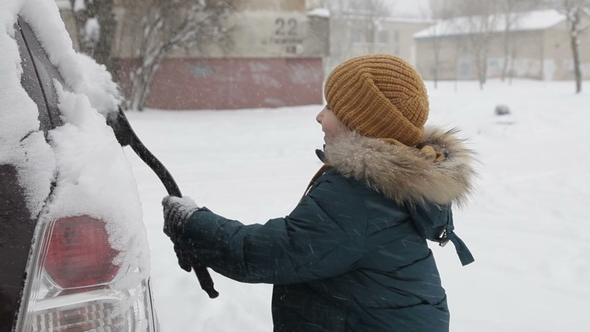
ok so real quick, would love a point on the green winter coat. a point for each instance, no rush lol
(351, 256)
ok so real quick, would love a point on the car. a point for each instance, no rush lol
(74, 254)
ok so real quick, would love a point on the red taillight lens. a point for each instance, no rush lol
(79, 253)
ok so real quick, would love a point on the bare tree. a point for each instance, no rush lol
(371, 12)
(444, 14)
(482, 21)
(95, 29)
(436, 48)
(574, 11)
(478, 20)
(168, 25)
(510, 17)
(441, 9)
(361, 17)
(481, 28)
(512, 12)
(340, 45)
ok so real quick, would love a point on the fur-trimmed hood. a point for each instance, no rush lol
(405, 174)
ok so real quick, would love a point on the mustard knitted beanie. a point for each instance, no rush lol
(380, 96)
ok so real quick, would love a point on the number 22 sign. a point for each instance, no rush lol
(286, 27)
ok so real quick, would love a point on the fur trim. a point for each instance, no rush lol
(405, 174)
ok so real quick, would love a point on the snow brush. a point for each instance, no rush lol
(126, 136)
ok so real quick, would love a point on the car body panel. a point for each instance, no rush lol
(19, 225)
(46, 73)
(16, 225)
(16, 233)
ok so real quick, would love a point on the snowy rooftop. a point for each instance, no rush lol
(408, 20)
(388, 19)
(526, 21)
(320, 12)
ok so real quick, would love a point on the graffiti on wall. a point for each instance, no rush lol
(549, 69)
(524, 67)
(262, 74)
(464, 67)
(495, 66)
(520, 67)
(200, 70)
(568, 65)
(300, 73)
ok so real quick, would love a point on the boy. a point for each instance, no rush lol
(352, 255)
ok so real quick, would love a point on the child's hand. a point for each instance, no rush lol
(176, 211)
(184, 258)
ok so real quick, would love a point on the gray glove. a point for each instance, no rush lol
(177, 210)
(184, 258)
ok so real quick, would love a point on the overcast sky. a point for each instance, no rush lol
(413, 7)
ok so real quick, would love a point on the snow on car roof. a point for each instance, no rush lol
(91, 79)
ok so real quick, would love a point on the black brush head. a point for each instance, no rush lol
(123, 131)
(126, 136)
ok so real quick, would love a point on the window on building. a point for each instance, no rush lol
(396, 46)
(355, 36)
(370, 36)
(383, 37)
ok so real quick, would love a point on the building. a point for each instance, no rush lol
(354, 35)
(275, 59)
(537, 46)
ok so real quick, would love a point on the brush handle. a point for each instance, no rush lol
(126, 136)
(173, 190)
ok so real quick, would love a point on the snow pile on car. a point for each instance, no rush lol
(20, 143)
(80, 168)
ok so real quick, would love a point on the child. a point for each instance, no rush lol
(352, 255)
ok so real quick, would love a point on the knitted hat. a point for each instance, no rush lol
(380, 96)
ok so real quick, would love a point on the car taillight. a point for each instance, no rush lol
(79, 253)
(102, 315)
(78, 283)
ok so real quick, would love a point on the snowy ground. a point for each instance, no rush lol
(528, 226)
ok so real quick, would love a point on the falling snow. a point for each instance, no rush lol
(526, 226)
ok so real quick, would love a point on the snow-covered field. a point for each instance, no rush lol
(528, 225)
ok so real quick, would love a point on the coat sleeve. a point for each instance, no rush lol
(323, 237)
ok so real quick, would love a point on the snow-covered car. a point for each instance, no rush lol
(74, 254)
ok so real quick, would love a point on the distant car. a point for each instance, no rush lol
(502, 110)
(74, 254)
